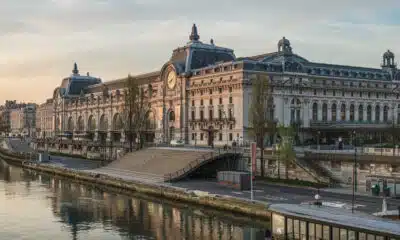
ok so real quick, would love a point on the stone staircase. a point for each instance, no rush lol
(159, 164)
(320, 172)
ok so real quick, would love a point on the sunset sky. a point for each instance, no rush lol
(41, 39)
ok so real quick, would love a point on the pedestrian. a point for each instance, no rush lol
(267, 235)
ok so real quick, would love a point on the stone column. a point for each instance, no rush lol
(278, 109)
(356, 115)
(338, 107)
(373, 112)
(381, 113)
(347, 111)
(365, 112)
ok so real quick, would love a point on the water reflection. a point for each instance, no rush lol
(88, 213)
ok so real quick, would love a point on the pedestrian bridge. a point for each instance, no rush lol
(162, 164)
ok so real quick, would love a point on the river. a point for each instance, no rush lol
(38, 206)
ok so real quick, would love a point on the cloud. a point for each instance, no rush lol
(41, 39)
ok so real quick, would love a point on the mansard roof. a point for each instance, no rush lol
(196, 54)
(120, 83)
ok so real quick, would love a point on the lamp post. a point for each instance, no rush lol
(354, 172)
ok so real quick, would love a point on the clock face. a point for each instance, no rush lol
(171, 80)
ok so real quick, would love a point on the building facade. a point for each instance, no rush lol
(202, 95)
(23, 120)
(44, 120)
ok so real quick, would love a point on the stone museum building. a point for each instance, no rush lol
(202, 95)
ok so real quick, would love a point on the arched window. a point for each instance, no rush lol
(315, 112)
(385, 113)
(70, 124)
(103, 123)
(352, 112)
(324, 112)
(369, 113)
(343, 112)
(172, 116)
(377, 113)
(91, 123)
(333, 111)
(360, 113)
(81, 124)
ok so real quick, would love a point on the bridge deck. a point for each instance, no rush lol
(152, 164)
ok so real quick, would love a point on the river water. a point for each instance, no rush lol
(37, 206)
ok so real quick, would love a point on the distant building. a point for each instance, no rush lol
(44, 119)
(23, 120)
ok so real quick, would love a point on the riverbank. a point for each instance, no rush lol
(224, 203)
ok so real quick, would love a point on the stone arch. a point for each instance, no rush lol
(369, 113)
(360, 112)
(343, 112)
(325, 112)
(171, 116)
(315, 111)
(151, 120)
(333, 112)
(118, 124)
(385, 113)
(103, 125)
(91, 124)
(377, 113)
(80, 124)
(70, 124)
(352, 112)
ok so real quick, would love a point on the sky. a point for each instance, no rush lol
(40, 40)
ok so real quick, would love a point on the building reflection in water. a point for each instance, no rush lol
(83, 208)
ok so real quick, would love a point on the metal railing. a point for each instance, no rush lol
(194, 164)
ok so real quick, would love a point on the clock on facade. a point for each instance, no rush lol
(171, 79)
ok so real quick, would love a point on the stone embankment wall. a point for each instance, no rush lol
(226, 203)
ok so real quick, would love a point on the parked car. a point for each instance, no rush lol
(177, 143)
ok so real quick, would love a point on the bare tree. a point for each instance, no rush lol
(136, 111)
(260, 122)
(286, 151)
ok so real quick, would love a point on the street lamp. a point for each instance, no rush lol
(354, 171)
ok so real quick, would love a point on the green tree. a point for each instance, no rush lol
(260, 122)
(286, 152)
(136, 111)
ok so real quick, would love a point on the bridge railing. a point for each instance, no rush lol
(194, 164)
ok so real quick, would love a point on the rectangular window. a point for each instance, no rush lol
(315, 91)
(342, 93)
(201, 102)
(230, 100)
(210, 114)
(230, 89)
(193, 115)
(220, 101)
(230, 137)
(334, 93)
(220, 114)
(201, 136)
(211, 102)
(220, 90)
(360, 94)
(192, 102)
(220, 136)
(230, 113)
(193, 136)
(201, 115)
(324, 92)
(352, 94)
